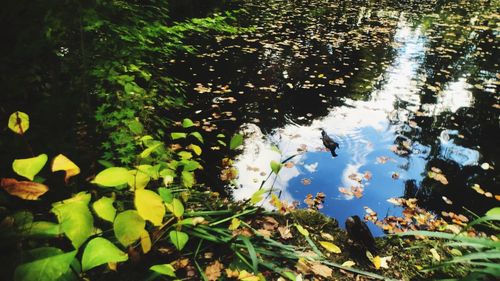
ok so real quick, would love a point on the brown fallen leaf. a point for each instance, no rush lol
(285, 232)
(321, 269)
(26, 190)
(213, 271)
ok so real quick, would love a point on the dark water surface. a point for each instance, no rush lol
(402, 86)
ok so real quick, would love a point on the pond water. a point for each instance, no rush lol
(402, 87)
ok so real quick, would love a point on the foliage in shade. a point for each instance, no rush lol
(236, 141)
(179, 239)
(164, 269)
(49, 264)
(175, 207)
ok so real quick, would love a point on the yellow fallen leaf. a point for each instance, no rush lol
(377, 262)
(213, 271)
(247, 276)
(26, 190)
(235, 223)
(435, 254)
(330, 247)
(302, 230)
(62, 163)
(348, 264)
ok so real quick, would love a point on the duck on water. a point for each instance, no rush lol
(329, 143)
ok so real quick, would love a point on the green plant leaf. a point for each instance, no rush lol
(186, 123)
(196, 149)
(178, 135)
(19, 122)
(104, 208)
(147, 152)
(136, 127)
(165, 194)
(179, 239)
(302, 230)
(128, 226)
(494, 213)
(197, 136)
(258, 196)
(236, 141)
(176, 207)
(187, 179)
(276, 166)
(41, 229)
(75, 218)
(29, 167)
(50, 265)
(165, 269)
(190, 165)
(100, 251)
(138, 179)
(112, 177)
(150, 206)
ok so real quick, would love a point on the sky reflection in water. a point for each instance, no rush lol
(365, 131)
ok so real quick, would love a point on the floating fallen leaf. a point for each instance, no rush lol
(435, 254)
(485, 166)
(446, 200)
(395, 201)
(62, 163)
(478, 188)
(26, 190)
(330, 247)
(306, 181)
(348, 264)
(213, 271)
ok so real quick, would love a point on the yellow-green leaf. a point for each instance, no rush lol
(195, 148)
(128, 227)
(302, 230)
(165, 269)
(186, 123)
(175, 207)
(348, 264)
(145, 241)
(138, 179)
(258, 196)
(235, 223)
(62, 163)
(19, 122)
(150, 206)
(178, 238)
(435, 254)
(104, 208)
(276, 166)
(111, 177)
(330, 247)
(187, 179)
(29, 167)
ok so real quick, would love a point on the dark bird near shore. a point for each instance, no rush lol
(329, 143)
(359, 232)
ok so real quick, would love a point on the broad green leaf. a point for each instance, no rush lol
(150, 206)
(178, 135)
(168, 176)
(187, 179)
(138, 179)
(236, 141)
(186, 123)
(146, 152)
(136, 127)
(62, 163)
(19, 122)
(128, 227)
(179, 239)
(176, 207)
(152, 171)
(197, 136)
(165, 194)
(190, 165)
(75, 218)
(29, 167)
(276, 166)
(258, 196)
(302, 230)
(185, 155)
(104, 208)
(290, 275)
(494, 213)
(112, 177)
(41, 229)
(196, 149)
(51, 265)
(101, 251)
(330, 247)
(165, 269)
